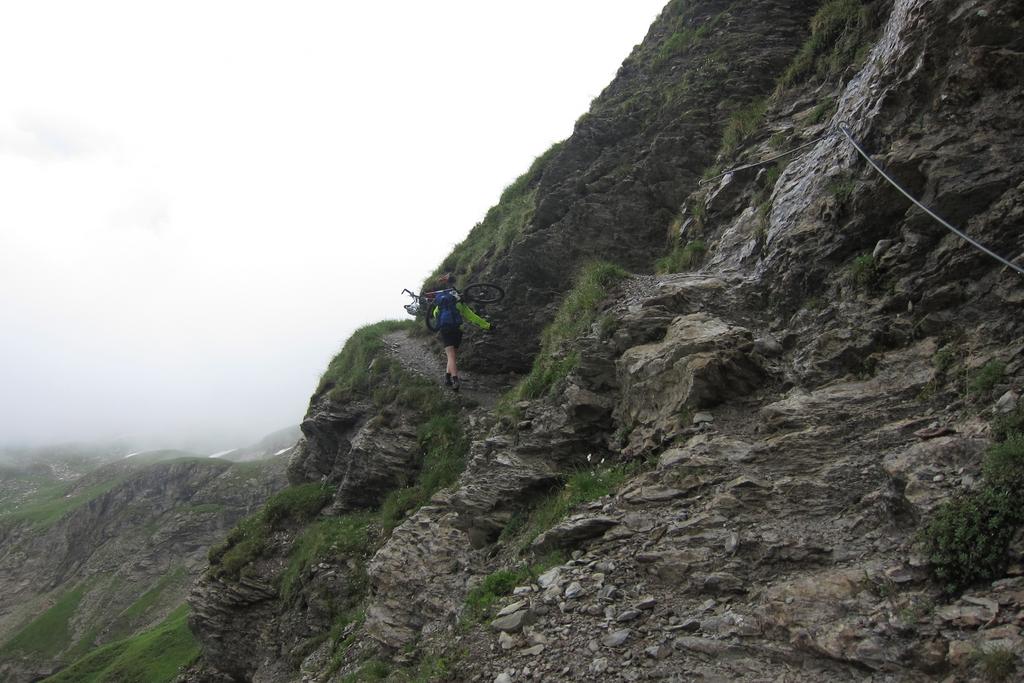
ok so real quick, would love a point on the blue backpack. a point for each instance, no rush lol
(447, 315)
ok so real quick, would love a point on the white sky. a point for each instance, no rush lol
(199, 201)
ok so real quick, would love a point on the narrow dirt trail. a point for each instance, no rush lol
(424, 356)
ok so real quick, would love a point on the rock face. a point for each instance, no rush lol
(148, 535)
(784, 415)
(700, 363)
(611, 190)
(363, 450)
(415, 576)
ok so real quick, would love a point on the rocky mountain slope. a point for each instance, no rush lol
(791, 453)
(113, 551)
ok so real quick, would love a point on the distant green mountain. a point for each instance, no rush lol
(98, 550)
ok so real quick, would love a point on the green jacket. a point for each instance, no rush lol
(467, 314)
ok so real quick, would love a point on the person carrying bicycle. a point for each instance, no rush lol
(449, 313)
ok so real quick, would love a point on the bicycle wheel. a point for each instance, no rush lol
(483, 293)
(430, 319)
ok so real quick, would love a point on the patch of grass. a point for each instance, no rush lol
(779, 140)
(364, 369)
(346, 536)
(50, 633)
(742, 124)
(824, 110)
(580, 487)
(840, 33)
(607, 326)
(681, 41)
(682, 258)
(501, 583)
(918, 608)
(944, 358)
(698, 209)
(986, 377)
(431, 667)
(362, 363)
(295, 505)
(155, 656)
(814, 303)
(574, 318)
(864, 272)
(371, 670)
(445, 446)
(842, 189)
(967, 539)
(490, 590)
(997, 663)
(343, 634)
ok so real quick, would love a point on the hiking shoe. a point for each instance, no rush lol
(447, 379)
(456, 382)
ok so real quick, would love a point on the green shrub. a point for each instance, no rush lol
(987, 377)
(1004, 426)
(574, 318)
(968, 537)
(682, 258)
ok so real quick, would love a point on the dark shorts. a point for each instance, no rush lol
(451, 336)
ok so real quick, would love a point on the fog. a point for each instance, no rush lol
(202, 200)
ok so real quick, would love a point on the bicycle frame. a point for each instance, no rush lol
(421, 302)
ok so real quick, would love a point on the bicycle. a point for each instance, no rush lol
(478, 293)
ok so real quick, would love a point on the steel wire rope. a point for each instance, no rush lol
(849, 136)
(768, 160)
(844, 129)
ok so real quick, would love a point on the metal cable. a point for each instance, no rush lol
(768, 160)
(849, 136)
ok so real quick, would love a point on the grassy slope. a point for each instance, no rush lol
(154, 656)
(52, 500)
(50, 633)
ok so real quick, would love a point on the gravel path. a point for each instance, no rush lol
(425, 357)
